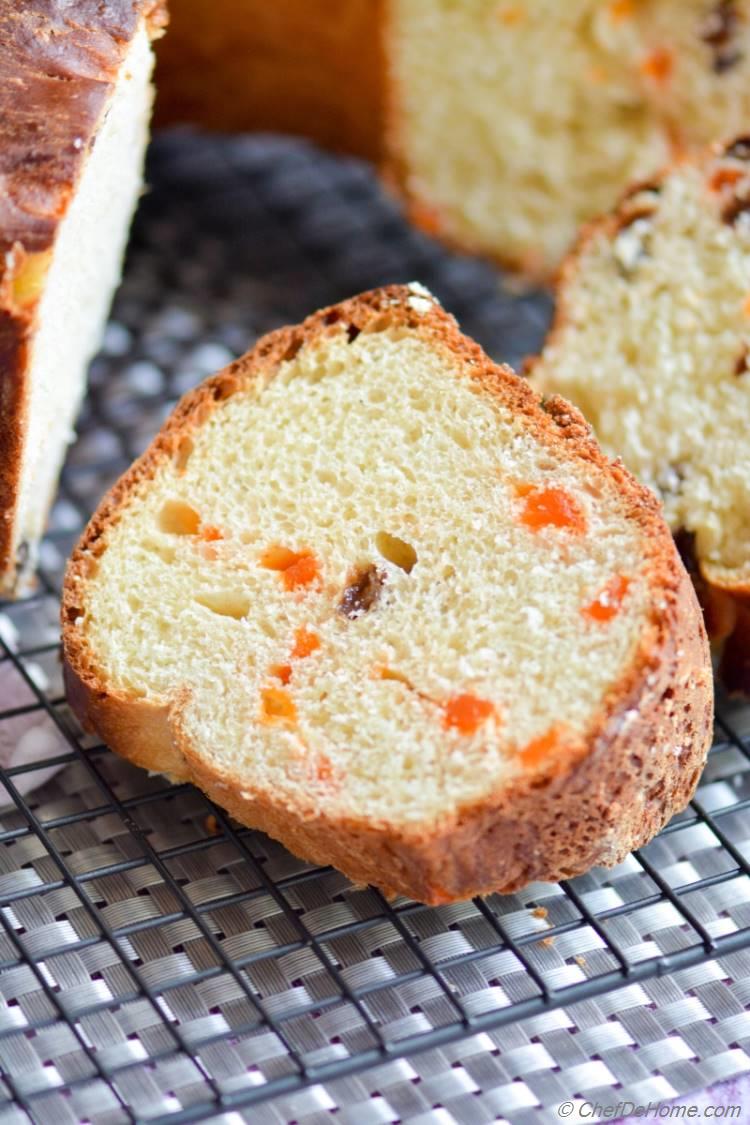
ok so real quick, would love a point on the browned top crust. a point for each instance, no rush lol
(57, 63)
(643, 754)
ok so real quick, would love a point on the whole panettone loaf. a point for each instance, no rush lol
(375, 597)
(651, 341)
(75, 100)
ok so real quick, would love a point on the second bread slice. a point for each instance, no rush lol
(376, 598)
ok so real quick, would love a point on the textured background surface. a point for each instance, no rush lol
(156, 959)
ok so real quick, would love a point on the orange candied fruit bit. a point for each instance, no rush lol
(301, 573)
(511, 14)
(282, 672)
(658, 65)
(746, 306)
(551, 507)
(539, 749)
(209, 533)
(621, 10)
(466, 713)
(277, 706)
(725, 177)
(297, 568)
(608, 601)
(305, 643)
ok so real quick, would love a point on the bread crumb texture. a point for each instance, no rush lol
(338, 580)
(651, 343)
(513, 123)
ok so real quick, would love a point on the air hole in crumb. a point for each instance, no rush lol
(396, 551)
(163, 550)
(461, 438)
(178, 518)
(292, 348)
(223, 388)
(182, 454)
(225, 603)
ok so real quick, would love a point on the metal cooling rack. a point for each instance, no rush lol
(158, 961)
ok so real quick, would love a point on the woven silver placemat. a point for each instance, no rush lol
(157, 961)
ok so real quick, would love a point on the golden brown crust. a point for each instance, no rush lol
(58, 65)
(723, 599)
(643, 754)
(236, 67)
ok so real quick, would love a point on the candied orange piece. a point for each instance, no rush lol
(510, 16)
(746, 306)
(210, 534)
(725, 177)
(305, 643)
(303, 572)
(282, 672)
(551, 507)
(621, 10)
(658, 65)
(540, 748)
(608, 601)
(277, 706)
(297, 568)
(466, 713)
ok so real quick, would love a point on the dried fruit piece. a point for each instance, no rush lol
(551, 507)
(305, 643)
(539, 749)
(725, 177)
(608, 601)
(277, 707)
(658, 65)
(297, 568)
(718, 32)
(466, 713)
(210, 534)
(301, 573)
(620, 10)
(739, 149)
(362, 592)
(282, 672)
(742, 366)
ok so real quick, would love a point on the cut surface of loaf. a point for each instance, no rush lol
(652, 343)
(505, 123)
(511, 123)
(374, 598)
(74, 111)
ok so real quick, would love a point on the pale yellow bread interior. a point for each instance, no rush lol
(385, 450)
(512, 121)
(652, 342)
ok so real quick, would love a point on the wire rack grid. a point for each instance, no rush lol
(157, 960)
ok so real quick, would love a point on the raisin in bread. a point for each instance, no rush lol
(374, 598)
(651, 341)
(75, 99)
(505, 123)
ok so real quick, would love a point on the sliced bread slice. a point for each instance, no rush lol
(374, 597)
(75, 101)
(652, 342)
